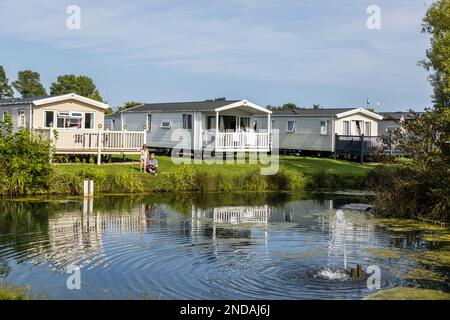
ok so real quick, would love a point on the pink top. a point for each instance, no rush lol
(144, 154)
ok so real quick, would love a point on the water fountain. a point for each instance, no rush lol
(336, 267)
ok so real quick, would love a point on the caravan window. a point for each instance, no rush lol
(5, 115)
(324, 127)
(21, 120)
(211, 123)
(346, 128)
(48, 118)
(74, 119)
(368, 129)
(89, 120)
(166, 124)
(187, 121)
(244, 123)
(290, 126)
(391, 129)
(149, 122)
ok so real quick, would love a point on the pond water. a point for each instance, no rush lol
(235, 246)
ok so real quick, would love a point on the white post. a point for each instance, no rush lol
(99, 144)
(86, 188)
(217, 128)
(269, 128)
(91, 188)
(145, 136)
(52, 138)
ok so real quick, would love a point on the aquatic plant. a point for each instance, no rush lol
(404, 293)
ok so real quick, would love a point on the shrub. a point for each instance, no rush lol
(24, 161)
(182, 178)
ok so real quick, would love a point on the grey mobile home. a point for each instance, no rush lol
(322, 130)
(222, 126)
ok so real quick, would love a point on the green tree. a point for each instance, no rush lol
(5, 89)
(70, 83)
(289, 106)
(28, 84)
(437, 24)
(128, 105)
(421, 187)
(286, 106)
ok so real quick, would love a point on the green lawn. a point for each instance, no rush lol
(294, 173)
(291, 164)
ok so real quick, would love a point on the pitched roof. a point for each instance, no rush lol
(336, 112)
(49, 99)
(398, 115)
(17, 101)
(311, 112)
(182, 106)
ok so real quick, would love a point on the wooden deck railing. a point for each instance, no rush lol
(68, 140)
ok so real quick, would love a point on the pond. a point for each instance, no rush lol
(216, 246)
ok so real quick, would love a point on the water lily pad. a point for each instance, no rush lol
(403, 293)
(408, 225)
(437, 237)
(423, 274)
(433, 257)
(385, 253)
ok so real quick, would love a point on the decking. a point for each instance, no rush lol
(100, 142)
(360, 146)
(238, 141)
(96, 142)
(92, 142)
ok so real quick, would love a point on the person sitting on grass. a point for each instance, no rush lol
(152, 165)
(143, 158)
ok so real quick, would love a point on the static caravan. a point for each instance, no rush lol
(321, 130)
(392, 121)
(68, 111)
(221, 126)
(74, 123)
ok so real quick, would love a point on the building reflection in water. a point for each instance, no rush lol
(221, 221)
(77, 238)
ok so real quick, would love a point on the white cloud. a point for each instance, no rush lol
(313, 42)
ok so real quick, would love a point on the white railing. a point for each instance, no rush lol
(90, 140)
(237, 215)
(240, 141)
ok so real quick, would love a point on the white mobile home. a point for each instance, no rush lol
(75, 124)
(219, 125)
(68, 111)
(321, 130)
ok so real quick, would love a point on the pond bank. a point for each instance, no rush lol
(293, 174)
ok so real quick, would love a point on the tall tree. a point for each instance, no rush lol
(70, 83)
(5, 89)
(28, 84)
(421, 187)
(437, 24)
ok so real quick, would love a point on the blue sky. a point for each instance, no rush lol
(267, 51)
